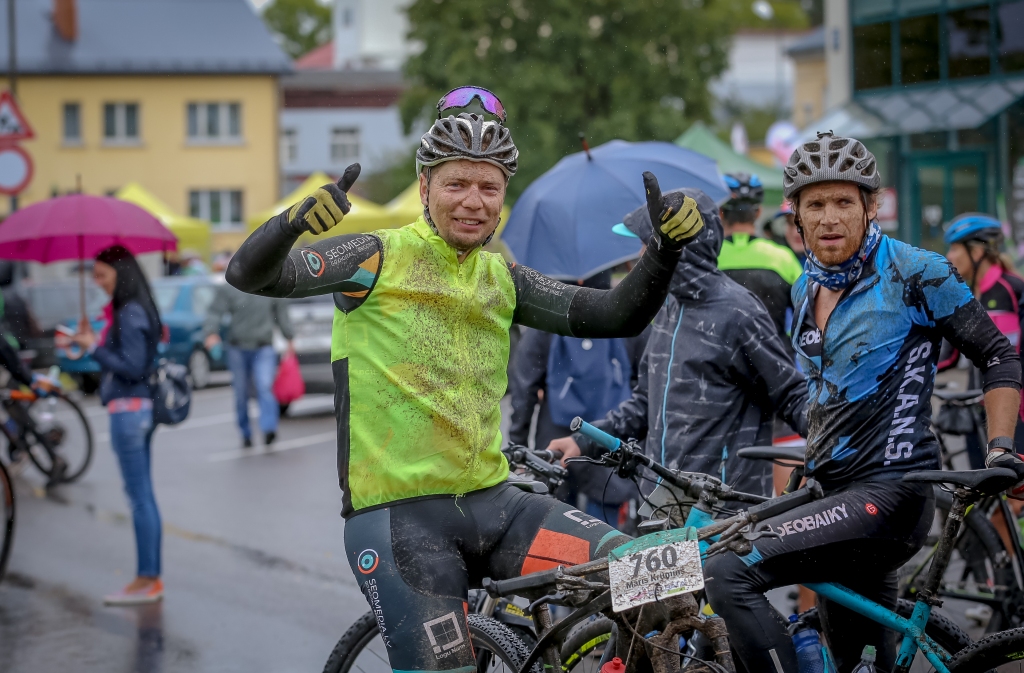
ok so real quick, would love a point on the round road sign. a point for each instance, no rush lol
(15, 169)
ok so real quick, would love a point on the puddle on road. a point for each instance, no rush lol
(42, 628)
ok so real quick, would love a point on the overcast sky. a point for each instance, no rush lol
(258, 3)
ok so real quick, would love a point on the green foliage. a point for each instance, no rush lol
(788, 14)
(299, 25)
(630, 69)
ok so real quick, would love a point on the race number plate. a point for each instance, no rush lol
(654, 567)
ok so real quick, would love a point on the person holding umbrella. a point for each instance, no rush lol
(126, 350)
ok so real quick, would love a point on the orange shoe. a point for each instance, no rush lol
(152, 593)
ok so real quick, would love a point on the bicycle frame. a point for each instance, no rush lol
(913, 629)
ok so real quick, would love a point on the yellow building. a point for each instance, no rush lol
(810, 77)
(154, 93)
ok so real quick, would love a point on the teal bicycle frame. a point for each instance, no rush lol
(912, 629)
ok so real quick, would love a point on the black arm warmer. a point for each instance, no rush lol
(971, 331)
(624, 311)
(259, 266)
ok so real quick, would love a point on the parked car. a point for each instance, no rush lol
(312, 320)
(33, 309)
(183, 302)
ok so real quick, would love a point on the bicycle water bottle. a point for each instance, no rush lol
(614, 666)
(808, 646)
(867, 661)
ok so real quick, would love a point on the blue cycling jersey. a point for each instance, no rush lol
(871, 371)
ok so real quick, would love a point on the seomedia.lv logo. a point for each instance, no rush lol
(314, 262)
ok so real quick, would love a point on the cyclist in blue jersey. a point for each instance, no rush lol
(871, 313)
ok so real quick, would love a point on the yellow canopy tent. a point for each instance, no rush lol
(364, 216)
(406, 207)
(193, 234)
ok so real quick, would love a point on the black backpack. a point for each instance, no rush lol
(172, 393)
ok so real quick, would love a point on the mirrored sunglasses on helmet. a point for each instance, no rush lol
(464, 95)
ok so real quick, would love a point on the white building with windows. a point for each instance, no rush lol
(341, 104)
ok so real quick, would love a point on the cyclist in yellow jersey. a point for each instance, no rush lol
(420, 353)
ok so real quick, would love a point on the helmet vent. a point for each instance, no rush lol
(488, 139)
(858, 150)
(869, 170)
(816, 160)
(832, 159)
(803, 168)
(838, 144)
(812, 147)
(847, 164)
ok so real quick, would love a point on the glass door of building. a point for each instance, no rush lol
(943, 187)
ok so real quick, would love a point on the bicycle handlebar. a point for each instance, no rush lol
(811, 491)
(600, 437)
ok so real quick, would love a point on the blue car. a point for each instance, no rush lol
(183, 303)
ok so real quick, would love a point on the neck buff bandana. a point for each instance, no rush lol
(842, 275)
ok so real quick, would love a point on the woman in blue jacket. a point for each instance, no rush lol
(126, 351)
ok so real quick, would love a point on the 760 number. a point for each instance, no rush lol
(655, 561)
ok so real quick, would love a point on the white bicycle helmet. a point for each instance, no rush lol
(830, 158)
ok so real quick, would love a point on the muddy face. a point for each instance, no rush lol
(834, 220)
(464, 198)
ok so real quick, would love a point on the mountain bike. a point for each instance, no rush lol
(498, 627)
(687, 504)
(51, 430)
(984, 571)
(6, 517)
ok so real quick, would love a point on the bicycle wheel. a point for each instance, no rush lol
(360, 649)
(58, 428)
(6, 518)
(1002, 652)
(583, 649)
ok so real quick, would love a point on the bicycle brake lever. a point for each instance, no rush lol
(760, 530)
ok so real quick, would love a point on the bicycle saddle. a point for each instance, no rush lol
(528, 485)
(957, 396)
(793, 453)
(985, 482)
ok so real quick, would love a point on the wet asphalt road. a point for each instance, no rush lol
(253, 555)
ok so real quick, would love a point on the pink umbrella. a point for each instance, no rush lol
(79, 226)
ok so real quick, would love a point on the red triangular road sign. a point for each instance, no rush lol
(13, 125)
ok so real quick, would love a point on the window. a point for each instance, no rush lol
(968, 32)
(72, 123)
(1010, 36)
(872, 56)
(219, 206)
(919, 49)
(214, 122)
(121, 123)
(344, 145)
(289, 145)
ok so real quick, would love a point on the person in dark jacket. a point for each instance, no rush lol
(714, 374)
(528, 379)
(126, 351)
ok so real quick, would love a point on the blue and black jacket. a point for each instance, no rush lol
(871, 372)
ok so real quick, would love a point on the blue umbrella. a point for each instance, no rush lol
(562, 224)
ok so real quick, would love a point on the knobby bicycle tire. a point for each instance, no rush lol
(41, 459)
(7, 524)
(584, 641)
(1002, 652)
(489, 637)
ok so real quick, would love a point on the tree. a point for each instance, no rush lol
(630, 69)
(299, 25)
